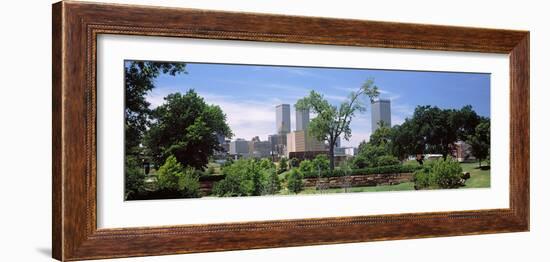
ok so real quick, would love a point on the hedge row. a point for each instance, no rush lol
(365, 171)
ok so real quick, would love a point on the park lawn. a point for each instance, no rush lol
(478, 178)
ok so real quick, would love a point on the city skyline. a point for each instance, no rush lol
(249, 94)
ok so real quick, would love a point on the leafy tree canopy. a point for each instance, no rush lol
(139, 80)
(187, 128)
(333, 121)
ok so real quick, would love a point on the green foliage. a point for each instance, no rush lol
(169, 173)
(283, 165)
(294, 181)
(382, 136)
(273, 184)
(321, 162)
(294, 162)
(187, 128)
(306, 167)
(369, 155)
(424, 178)
(439, 174)
(172, 177)
(333, 121)
(188, 183)
(210, 170)
(134, 177)
(248, 177)
(448, 173)
(433, 130)
(480, 141)
(266, 163)
(365, 171)
(139, 80)
(387, 160)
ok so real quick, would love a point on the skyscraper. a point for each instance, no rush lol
(302, 119)
(282, 113)
(380, 113)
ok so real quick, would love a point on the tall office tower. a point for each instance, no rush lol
(380, 113)
(302, 119)
(282, 113)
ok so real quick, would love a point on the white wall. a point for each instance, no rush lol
(25, 134)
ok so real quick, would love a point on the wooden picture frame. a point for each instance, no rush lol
(76, 26)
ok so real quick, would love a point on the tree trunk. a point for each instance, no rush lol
(331, 156)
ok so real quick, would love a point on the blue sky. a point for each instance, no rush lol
(248, 94)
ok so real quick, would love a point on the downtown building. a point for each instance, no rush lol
(380, 113)
(299, 143)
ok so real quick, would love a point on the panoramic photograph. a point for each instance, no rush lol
(206, 130)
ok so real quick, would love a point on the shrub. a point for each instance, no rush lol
(439, 174)
(295, 183)
(134, 177)
(248, 177)
(237, 181)
(307, 167)
(174, 179)
(169, 173)
(294, 162)
(423, 178)
(368, 155)
(387, 160)
(447, 173)
(210, 170)
(321, 162)
(273, 184)
(266, 163)
(188, 183)
(283, 165)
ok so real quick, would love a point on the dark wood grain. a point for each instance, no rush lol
(75, 29)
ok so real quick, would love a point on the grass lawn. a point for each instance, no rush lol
(479, 178)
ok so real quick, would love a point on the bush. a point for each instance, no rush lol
(447, 173)
(174, 179)
(424, 178)
(273, 184)
(134, 178)
(295, 183)
(237, 181)
(387, 160)
(248, 177)
(368, 155)
(283, 165)
(188, 183)
(306, 167)
(439, 174)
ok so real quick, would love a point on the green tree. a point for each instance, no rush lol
(433, 130)
(443, 173)
(283, 165)
(245, 177)
(134, 177)
(139, 79)
(320, 162)
(187, 128)
(368, 155)
(382, 136)
(294, 181)
(172, 177)
(307, 167)
(480, 141)
(266, 163)
(331, 121)
(273, 184)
